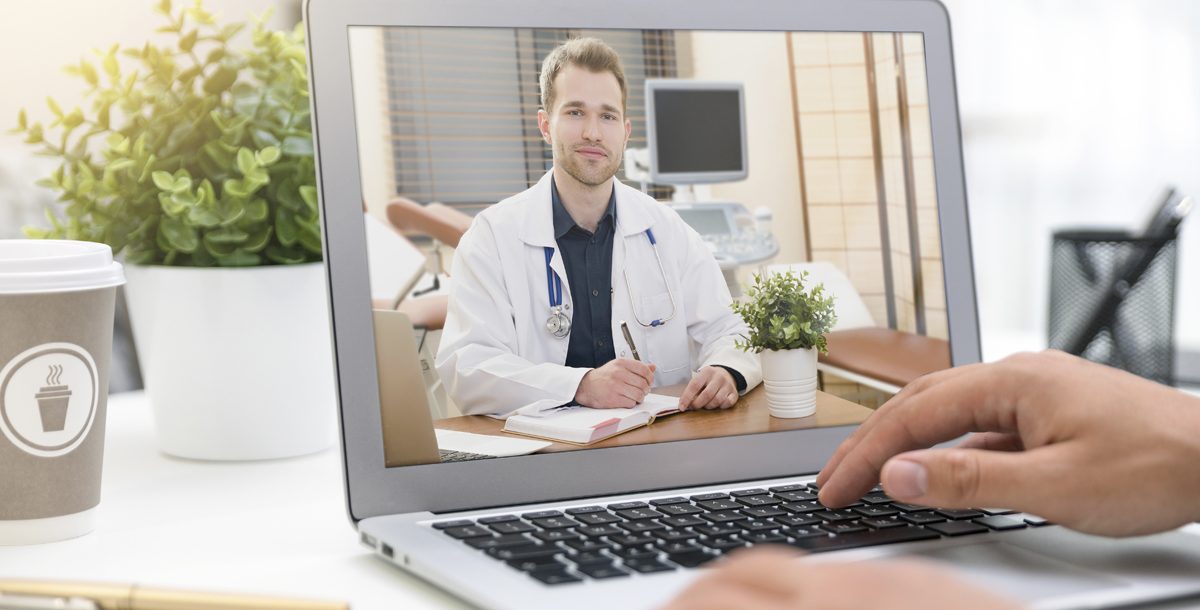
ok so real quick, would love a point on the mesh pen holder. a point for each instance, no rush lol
(1137, 335)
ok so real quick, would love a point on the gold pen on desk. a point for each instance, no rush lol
(137, 597)
(629, 340)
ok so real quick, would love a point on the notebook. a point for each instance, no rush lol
(581, 425)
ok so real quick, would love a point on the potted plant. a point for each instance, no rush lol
(195, 163)
(787, 327)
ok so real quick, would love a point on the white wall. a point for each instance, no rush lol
(1074, 112)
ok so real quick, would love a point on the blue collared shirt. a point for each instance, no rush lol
(587, 257)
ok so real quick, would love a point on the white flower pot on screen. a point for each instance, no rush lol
(236, 361)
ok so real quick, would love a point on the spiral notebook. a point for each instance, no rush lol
(580, 425)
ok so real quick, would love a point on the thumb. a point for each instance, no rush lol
(960, 478)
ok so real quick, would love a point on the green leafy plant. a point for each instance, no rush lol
(783, 315)
(196, 154)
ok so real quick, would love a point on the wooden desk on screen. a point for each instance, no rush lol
(749, 416)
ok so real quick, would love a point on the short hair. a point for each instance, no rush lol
(592, 54)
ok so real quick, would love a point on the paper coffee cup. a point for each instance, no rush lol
(56, 304)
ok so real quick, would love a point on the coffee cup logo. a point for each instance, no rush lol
(48, 398)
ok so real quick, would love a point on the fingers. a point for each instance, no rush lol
(993, 441)
(641, 369)
(962, 478)
(632, 380)
(977, 400)
(689, 393)
(756, 579)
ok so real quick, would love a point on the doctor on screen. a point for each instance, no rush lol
(544, 279)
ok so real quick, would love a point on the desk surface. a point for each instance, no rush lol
(748, 416)
(275, 528)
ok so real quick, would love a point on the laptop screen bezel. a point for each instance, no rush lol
(372, 488)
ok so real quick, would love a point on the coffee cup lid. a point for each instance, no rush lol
(56, 265)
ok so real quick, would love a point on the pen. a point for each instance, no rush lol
(629, 340)
(137, 597)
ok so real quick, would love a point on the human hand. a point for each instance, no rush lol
(620, 383)
(770, 579)
(1083, 445)
(712, 387)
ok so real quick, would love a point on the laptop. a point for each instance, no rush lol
(853, 142)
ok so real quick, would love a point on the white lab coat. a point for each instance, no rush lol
(496, 355)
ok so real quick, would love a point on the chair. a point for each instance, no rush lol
(882, 358)
(446, 226)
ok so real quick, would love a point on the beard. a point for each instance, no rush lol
(586, 171)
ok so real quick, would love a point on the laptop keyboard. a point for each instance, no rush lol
(446, 455)
(665, 534)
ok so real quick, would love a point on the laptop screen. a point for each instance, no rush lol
(807, 152)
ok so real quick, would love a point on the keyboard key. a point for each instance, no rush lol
(600, 572)
(589, 558)
(556, 535)
(1034, 520)
(797, 496)
(748, 492)
(542, 514)
(998, 522)
(597, 518)
(496, 542)
(843, 528)
(883, 523)
(818, 544)
(638, 527)
(632, 539)
(683, 521)
(759, 501)
(997, 511)
(836, 516)
(469, 531)
(497, 519)
(758, 525)
(723, 543)
(724, 517)
(802, 507)
(535, 563)
(922, 518)
(778, 489)
(797, 520)
(803, 532)
(764, 537)
(874, 499)
(679, 509)
(441, 525)
(596, 531)
(813, 486)
(525, 551)
(876, 511)
(511, 527)
(588, 546)
(762, 512)
(909, 508)
(674, 548)
(964, 513)
(636, 552)
(634, 514)
(710, 496)
(648, 565)
(692, 559)
(668, 501)
(957, 528)
(555, 523)
(627, 506)
(718, 530)
(555, 576)
(584, 510)
(719, 504)
(672, 535)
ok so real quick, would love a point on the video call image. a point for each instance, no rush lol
(564, 230)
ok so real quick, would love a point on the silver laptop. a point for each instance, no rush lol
(851, 131)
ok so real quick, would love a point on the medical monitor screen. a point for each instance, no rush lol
(697, 134)
(574, 307)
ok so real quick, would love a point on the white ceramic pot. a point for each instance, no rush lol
(790, 380)
(236, 362)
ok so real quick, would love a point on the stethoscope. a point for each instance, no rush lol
(559, 324)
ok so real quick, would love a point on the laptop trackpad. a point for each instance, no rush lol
(1023, 574)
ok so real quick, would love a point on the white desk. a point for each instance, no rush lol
(261, 527)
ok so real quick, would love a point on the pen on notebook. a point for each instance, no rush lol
(137, 597)
(629, 340)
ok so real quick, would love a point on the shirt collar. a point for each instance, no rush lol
(562, 218)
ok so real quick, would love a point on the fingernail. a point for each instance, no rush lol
(904, 479)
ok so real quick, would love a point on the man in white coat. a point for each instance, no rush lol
(544, 279)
